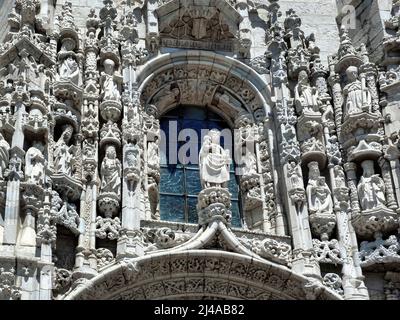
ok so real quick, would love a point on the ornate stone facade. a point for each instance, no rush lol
(82, 99)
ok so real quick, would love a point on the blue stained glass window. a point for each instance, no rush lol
(180, 183)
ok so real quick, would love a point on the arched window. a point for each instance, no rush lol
(182, 132)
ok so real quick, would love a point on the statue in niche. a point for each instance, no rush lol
(132, 156)
(356, 96)
(111, 172)
(295, 175)
(340, 178)
(64, 154)
(4, 155)
(35, 164)
(214, 162)
(153, 154)
(250, 162)
(108, 80)
(319, 195)
(371, 188)
(306, 96)
(69, 70)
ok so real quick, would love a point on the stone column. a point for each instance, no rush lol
(350, 168)
(387, 178)
(152, 26)
(334, 81)
(12, 208)
(244, 27)
(45, 240)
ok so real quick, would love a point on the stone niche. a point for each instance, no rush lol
(194, 25)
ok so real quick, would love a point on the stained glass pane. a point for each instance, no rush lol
(236, 221)
(172, 180)
(192, 210)
(233, 187)
(180, 183)
(193, 184)
(172, 208)
(192, 112)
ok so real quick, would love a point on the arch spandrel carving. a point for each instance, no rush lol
(197, 274)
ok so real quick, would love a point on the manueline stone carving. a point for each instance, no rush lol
(371, 188)
(306, 97)
(214, 162)
(357, 96)
(318, 193)
(63, 153)
(111, 173)
(4, 155)
(109, 84)
(69, 70)
(35, 165)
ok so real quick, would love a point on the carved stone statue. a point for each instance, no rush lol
(69, 70)
(318, 193)
(306, 96)
(371, 188)
(63, 154)
(250, 162)
(35, 164)
(153, 154)
(295, 175)
(111, 172)
(109, 85)
(214, 162)
(356, 95)
(4, 155)
(132, 156)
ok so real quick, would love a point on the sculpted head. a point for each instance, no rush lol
(352, 73)
(313, 170)
(67, 133)
(109, 66)
(303, 77)
(111, 153)
(368, 167)
(215, 136)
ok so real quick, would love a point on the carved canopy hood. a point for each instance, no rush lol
(211, 25)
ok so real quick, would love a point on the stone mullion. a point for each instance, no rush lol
(244, 32)
(280, 222)
(12, 206)
(337, 101)
(371, 84)
(86, 262)
(303, 261)
(350, 168)
(152, 26)
(128, 243)
(387, 178)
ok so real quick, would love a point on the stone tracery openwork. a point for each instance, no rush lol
(80, 135)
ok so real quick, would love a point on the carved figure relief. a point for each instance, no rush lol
(357, 96)
(371, 188)
(111, 172)
(63, 153)
(214, 162)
